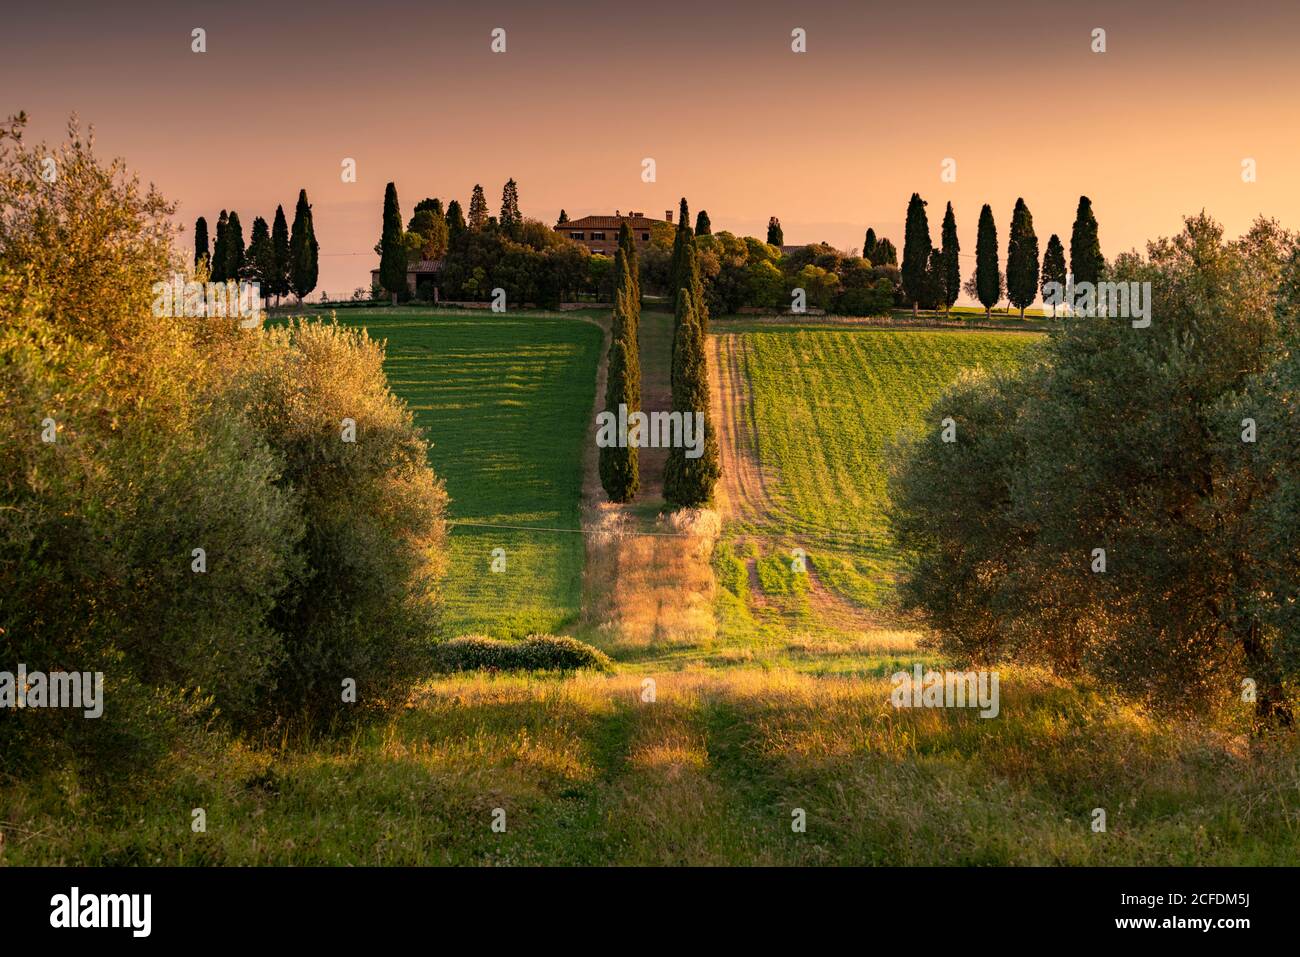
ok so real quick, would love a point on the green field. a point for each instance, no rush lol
(504, 400)
(825, 403)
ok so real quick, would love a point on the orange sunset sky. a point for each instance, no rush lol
(830, 141)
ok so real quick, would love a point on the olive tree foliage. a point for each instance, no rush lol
(1098, 511)
(196, 529)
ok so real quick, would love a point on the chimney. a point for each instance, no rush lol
(668, 215)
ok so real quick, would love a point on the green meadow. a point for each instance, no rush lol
(504, 400)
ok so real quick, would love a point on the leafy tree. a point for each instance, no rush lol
(916, 252)
(702, 225)
(1022, 258)
(234, 266)
(280, 246)
(218, 272)
(259, 264)
(988, 277)
(1116, 444)
(303, 250)
(201, 254)
(1086, 261)
(430, 231)
(951, 259)
(478, 209)
(430, 204)
(1054, 272)
(510, 216)
(884, 254)
(775, 237)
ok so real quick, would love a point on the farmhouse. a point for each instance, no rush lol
(600, 233)
(417, 274)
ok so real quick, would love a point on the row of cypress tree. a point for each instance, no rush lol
(932, 276)
(280, 260)
(688, 482)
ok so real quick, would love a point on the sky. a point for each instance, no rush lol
(831, 141)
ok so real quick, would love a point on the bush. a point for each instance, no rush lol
(534, 653)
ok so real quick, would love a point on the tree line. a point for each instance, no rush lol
(281, 260)
(931, 276)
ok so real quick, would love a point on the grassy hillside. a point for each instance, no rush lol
(504, 399)
(823, 404)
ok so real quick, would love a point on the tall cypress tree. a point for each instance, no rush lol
(684, 271)
(951, 260)
(1086, 261)
(935, 283)
(218, 271)
(234, 247)
(456, 226)
(201, 253)
(280, 247)
(627, 243)
(688, 482)
(302, 249)
(510, 216)
(775, 235)
(988, 280)
(916, 251)
(702, 225)
(392, 252)
(869, 244)
(478, 214)
(619, 467)
(1054, 272)
(1022, 258)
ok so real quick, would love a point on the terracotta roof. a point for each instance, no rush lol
(609, 222)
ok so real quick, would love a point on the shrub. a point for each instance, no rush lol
(534, 653)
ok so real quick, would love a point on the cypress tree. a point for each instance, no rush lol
(455, 221)
(259, 267)
(1086, 262)
(392, 252)
(234, 247)
(564, 218)
(775, 237)
(478, 213)
(1054, 272)
(702, 225)
(619, 467)
(510, 216)
(628, 244)
(218, 271)
(684, 271)
(988, 281)
(869, 244)
(935, 282)
(916, 251)
(884, 254)
(1022, 258)
(688, 482)
(280, 247)
(302, 249)
(951, 260)
(201, 254)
